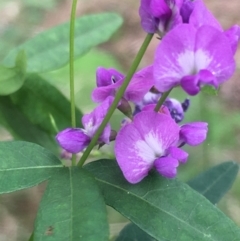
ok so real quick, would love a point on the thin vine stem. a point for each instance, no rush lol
(118, 97)
(162, 100)
(71, 68)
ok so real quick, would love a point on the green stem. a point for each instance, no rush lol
(161, 100)
(118, 97)
(71, 68)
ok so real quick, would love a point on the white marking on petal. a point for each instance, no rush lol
(153, 141)
(186, 62)
(202, 59)
(144, 151)
(150, 148)
(89, 125)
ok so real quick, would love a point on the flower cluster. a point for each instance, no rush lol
(194, 51)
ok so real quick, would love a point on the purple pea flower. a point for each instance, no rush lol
(193, 57)
(151, 140)
(159, 15)
(110, 80)
(74, 140)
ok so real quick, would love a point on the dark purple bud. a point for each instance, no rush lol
(125, 108)
(175, 108)
(185, 104)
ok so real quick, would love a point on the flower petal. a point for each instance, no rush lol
(190, 84)
(73, 140)
(194, 133)
(233, 34)
(178, 154)
(159, 8)
(148, 22)
(174, 57)
(134, 156)
(107, 77)
(213, 52)
(167, 166)
(140, 84)
(93, 120)
(202, 16)
(105, 136)
(99, 94)
(159, 130)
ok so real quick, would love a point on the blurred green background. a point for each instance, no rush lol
(23, 19)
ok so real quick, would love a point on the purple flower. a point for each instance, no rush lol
(75, 140)
(193, 57)
(110, 80)
(159, 15)
(151, 140)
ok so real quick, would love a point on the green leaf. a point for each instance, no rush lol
(132, 232)
(38, 101)
(216, 181)
(23, 165)
(209, 90)
(20, 127)
(165, 209)
(12, 79)
(31, 237)
(72, 209)
(50, 50)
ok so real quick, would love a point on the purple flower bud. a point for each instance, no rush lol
(73, 140)
(185, 105)
(175, 108)
(125, 108)
(193, 133)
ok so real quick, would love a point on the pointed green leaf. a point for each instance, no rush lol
(21, 128)
(38, 101)
(23, 165)
(132, 232)
(72, 208)
(165, 209)
(216, 181)
(209, 90)
(50, 50)
(31, 237)
(12, 79)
